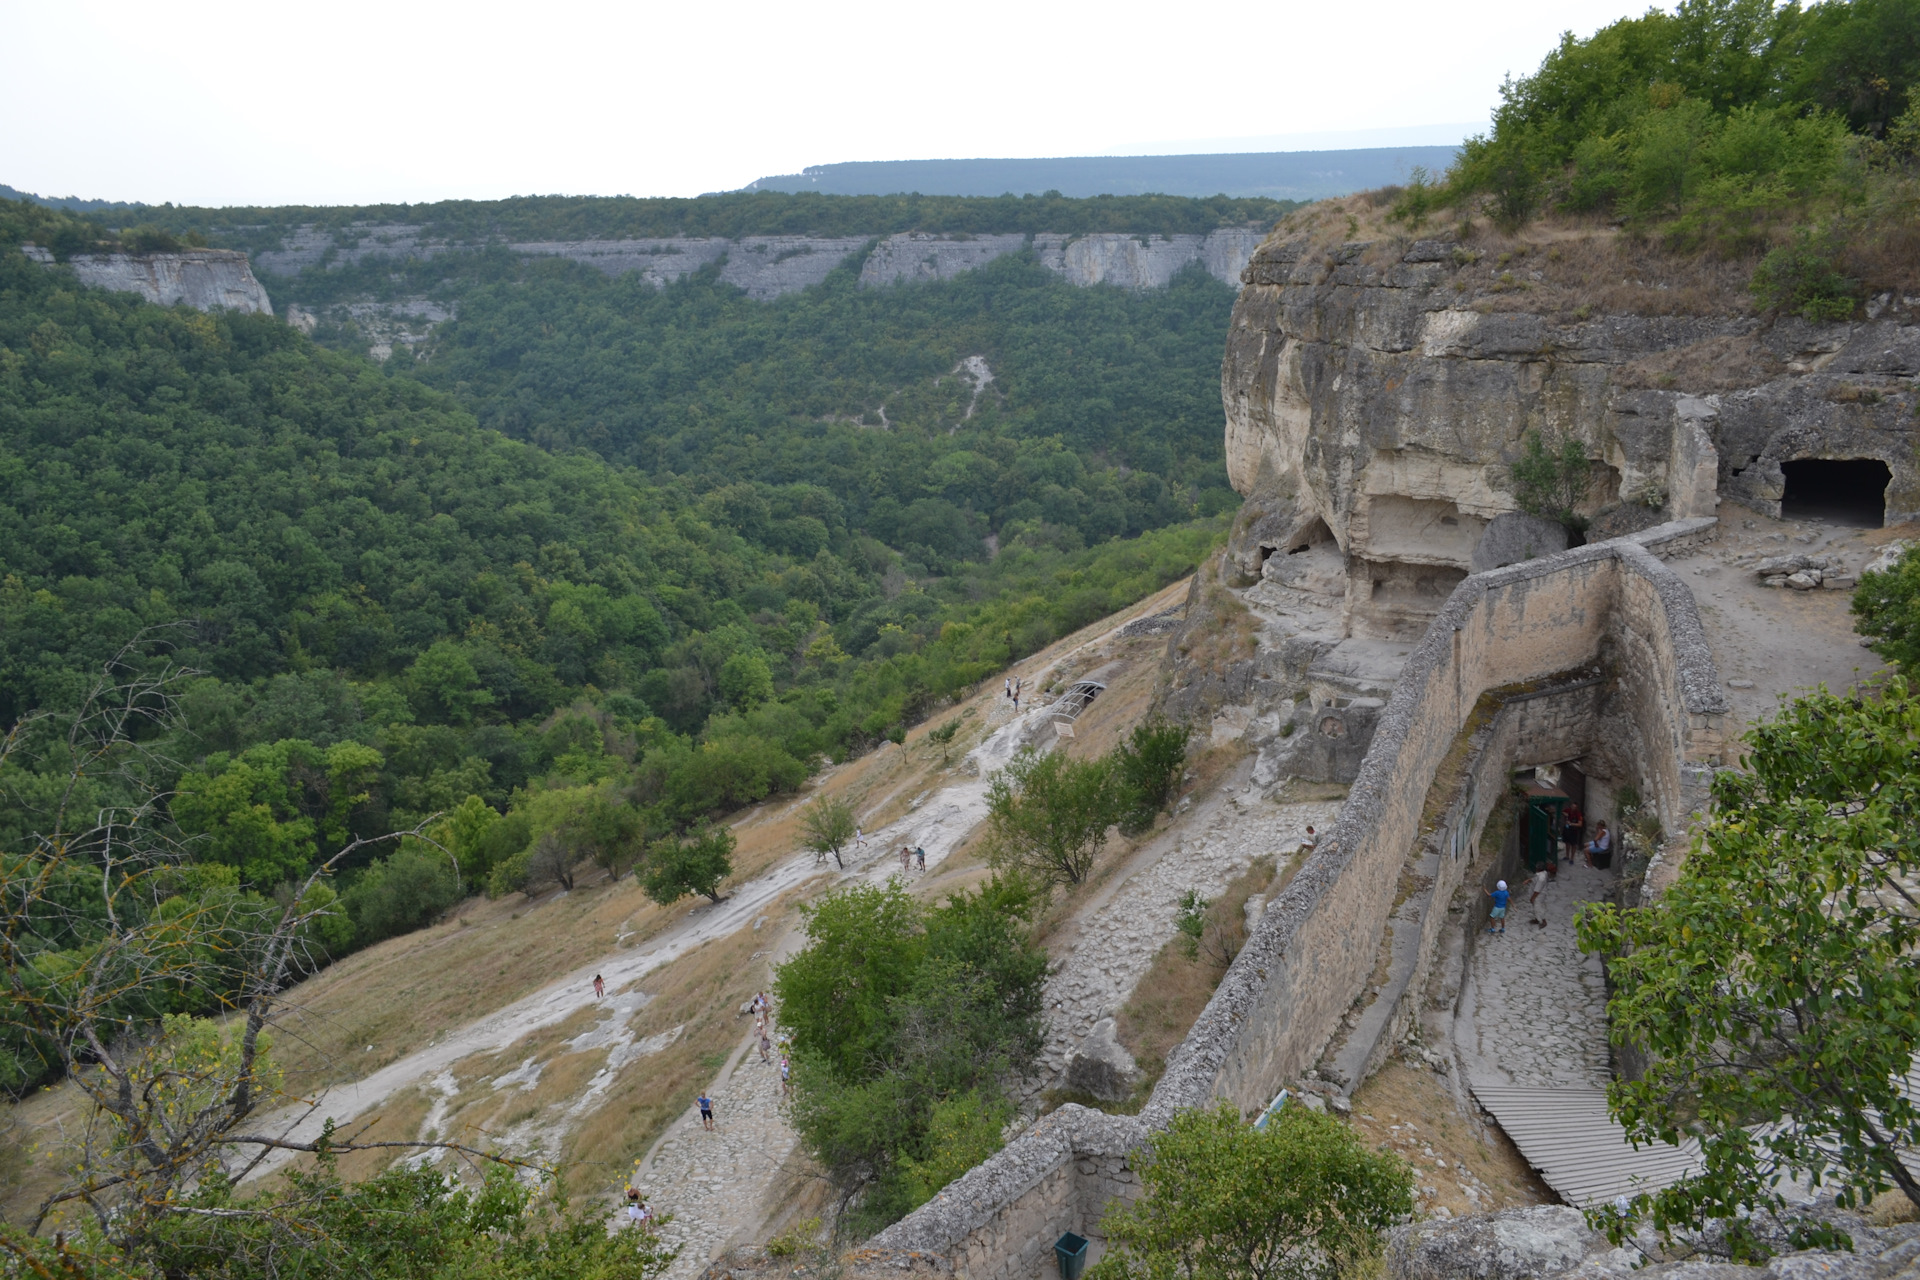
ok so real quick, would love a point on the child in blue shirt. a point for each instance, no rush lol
(1499, 914)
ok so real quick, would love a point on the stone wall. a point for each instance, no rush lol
(1316, 946)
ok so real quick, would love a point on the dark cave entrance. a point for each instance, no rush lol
(1850, 491)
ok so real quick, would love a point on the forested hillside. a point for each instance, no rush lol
(393, 609)
(1732, 127)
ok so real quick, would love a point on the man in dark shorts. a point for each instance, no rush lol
(1573, 829)
(706, 1112)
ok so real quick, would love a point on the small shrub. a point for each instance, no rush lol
(1804, 279)
(1191, 922)
(1552, 482)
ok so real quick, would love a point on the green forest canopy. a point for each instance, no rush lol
(395, 608)
(1716, 118)
(728, 214)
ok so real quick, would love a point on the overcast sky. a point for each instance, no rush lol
(349, 102)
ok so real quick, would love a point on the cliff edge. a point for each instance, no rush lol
(205, 279)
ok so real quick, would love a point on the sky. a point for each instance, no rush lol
(214, 102)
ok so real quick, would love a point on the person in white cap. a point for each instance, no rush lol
(1499, 914)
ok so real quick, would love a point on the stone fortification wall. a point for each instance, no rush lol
(204, 278)
(769, 266)
(1285, 995)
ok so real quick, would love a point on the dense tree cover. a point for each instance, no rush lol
(1711, 121)
(1103, 416)
(407, 1223)
(1298, 1198)
(727, 214)
(396, 612)
(909, 1021)
(1773, 986)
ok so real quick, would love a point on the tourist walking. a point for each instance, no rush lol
(906, 859)
(599, 986)
(1499, 914)
(706, 1112)
(920, 857)
(1533, 899)
(859, 838)
(786, 1076)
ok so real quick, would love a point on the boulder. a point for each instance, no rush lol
(1514, 536)
(1514, 1244)
(1888, 555)
(1101, 1066)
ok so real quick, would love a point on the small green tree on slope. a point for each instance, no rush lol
(1887, 608)
(1047, 816)
(1774, 986)
(695, 863)
(1302, 1199)
(826, 826)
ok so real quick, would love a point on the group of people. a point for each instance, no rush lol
(1014, 686)
(769, 1043)
(1573, 830)
(1598, 852)
(914, 859)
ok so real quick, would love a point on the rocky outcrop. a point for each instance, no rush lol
(207, 279)
(1541, 1241)
(1380, 391)
(769, 266)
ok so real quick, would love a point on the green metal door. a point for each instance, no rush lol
(1543, 830)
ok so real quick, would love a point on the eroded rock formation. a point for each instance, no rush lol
(1378, 391)
(769, 266)
(202, 278)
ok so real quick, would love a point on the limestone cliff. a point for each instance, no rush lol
(769, 266)
(202, 278)
(1378, 387)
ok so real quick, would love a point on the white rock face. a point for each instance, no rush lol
(769, 266)
(1147, 262)
(919, 256)
(202, 278)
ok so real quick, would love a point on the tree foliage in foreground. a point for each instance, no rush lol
(404, 1224)
(1302, 1199)
(909, 1022)
(110, 942)
(1773, 988)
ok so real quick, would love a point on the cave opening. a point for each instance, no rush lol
(1844, 491)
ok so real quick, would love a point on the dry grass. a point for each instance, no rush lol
(1422, 1105)
(1221, 629)
(703, 994)
(403, 994)
(1717, 364)
(1566, 267)
(1174, 989)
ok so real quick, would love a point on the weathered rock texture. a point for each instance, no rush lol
(204, 278)
(769, 266)
(1373, 391)
(1541, 1241)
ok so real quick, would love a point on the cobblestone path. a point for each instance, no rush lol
(715, 1184)
(1536, 1009)
(1118, 939)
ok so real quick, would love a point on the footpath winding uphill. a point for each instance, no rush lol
(718, 1185)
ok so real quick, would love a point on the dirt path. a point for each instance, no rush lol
(939, 825)
(1769, 641)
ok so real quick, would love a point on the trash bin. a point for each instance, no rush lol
(1070, 1251)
